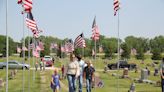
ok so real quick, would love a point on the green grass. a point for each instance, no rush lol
(15, 85)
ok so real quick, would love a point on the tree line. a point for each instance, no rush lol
(109, 46)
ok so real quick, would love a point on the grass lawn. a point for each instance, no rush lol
(43, 78)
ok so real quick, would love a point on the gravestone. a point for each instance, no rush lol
(136, 69)
(1, 83)
(132, 88)
(125, 73)
(156, 72)
(144, 75)
(105, 69)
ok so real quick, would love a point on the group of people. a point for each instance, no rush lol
(77, 72)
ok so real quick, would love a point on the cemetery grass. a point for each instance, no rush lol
(15, 85)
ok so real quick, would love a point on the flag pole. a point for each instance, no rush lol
(7, 46)
(95, 50)
(33, 60)
(118, 51)
(23, 53)
(29, 61)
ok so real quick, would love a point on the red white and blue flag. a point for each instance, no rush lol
(95, 31)
(80, 41)
(69, 47)
(116, 6)
(26, 4)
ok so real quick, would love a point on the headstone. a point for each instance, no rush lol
(144, 74)
(125, 73)
(105, 69)
(136, 69)
(132, 87)
(156, 72)
(1, 83)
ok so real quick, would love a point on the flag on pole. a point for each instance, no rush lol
(41, 45)
(35, 53)
(54, 46)
(95, 30)
(116, 6)
(69, 46)
(26, 4)
(62, 49)
(18, 50)
(80, 41)
(30, 22)
(24, 49)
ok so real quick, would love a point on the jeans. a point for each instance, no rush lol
(88, 84)
(162, 84)
(71, 82)
(80, 80)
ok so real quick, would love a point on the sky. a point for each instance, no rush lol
(69, 18)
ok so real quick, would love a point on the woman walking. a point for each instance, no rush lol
(72, 73)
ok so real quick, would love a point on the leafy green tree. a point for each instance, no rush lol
(156, 54)
(126, 51)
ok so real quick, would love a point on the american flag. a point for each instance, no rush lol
(24, 49)
(27, 5)
(62, 49)
(69, 47)
(54, 46)
(30, 22)
(41, 45)
(35, 53)
(80, 41)
(116, 6)
(18, 49)
(95, 30)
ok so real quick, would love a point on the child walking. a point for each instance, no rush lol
(55, 84)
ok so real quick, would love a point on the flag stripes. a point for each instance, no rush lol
(95, 30)
(116, 6)
(69, 46)
(80, 41)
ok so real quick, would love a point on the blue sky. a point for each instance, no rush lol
(68, 18)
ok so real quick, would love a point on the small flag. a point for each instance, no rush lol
(80, 41)
(54, 46)
(24, 49)
(69, 46)
(62, 49)
(116, 6)
(41, 45)
(18, 50)
(95, 30)
(35, 53)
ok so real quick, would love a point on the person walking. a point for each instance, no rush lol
(55, 84)
(162, 74)
(72, 73)
(63, 69)
(88, 76)
(81, 68)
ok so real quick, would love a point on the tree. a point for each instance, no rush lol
(156, 54)
(126, 51)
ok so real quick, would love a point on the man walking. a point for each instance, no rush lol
(89, 76)
(162, 74)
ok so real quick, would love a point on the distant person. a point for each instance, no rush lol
(81, 68)
(72, 73)
(36, 66)
(41, 65)
(44, 65)
(88, 75)
(162, 74)
(55, 84)
(63, 69)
